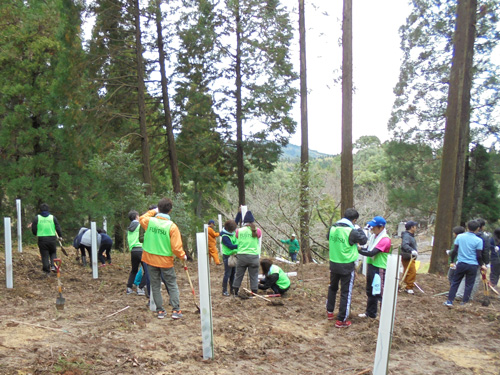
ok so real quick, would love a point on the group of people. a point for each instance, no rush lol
(83, 242)
(162, 242)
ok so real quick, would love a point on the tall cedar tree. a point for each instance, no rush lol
(346, 172)
(456, 134)
(419, 111)
(304, 147)
(39, 95)
(256, 42)
(203, 159)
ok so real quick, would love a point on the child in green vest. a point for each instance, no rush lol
(274, 278)
(229, 247)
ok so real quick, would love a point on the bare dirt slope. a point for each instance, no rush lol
(251, 336)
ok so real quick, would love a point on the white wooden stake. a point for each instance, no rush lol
(387, 314)
(19, 227)
(105, 224)
(93, 235)
(207, 332)
(8, 253)
(244, 210)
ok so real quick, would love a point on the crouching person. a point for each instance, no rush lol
(274, 278)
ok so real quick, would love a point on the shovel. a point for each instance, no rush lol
(62, 248)
(190, 283)
(274, 303)
(486, 301)
(60, 299)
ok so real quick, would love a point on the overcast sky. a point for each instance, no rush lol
(376, 59)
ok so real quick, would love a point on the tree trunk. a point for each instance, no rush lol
(304, 154)
(172, 152)
(346, 174)
(456, 135)
(239, 115)
(146, 168)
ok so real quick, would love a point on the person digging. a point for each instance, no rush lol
(274, 278)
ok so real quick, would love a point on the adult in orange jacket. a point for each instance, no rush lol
(162, 240)
(212, 244)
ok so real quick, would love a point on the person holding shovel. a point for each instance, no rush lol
(343, 240)
(162, 241)
(293, 247)
(274, 278)
(378, 248)
(46, 227)
(409, 255)
(229, 247)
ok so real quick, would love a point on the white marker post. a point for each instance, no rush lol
(8, 253)
(19, 227)
(207, 331)
(93, 236)
(105, 224)
(387, 314)
(244, 210)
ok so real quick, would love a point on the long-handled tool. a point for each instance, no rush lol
(406, 273)
(275, 303)
(60, 299)
(486, 301)
(62, 248)
(190, 283)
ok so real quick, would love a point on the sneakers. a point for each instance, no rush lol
(102, 265)
(330, 315)
(410, 291)
(225, 294)
(341, 324)
(362, 315)
(448, 303)
(53, 269)
(130, 291)
(141, 292)
(176, 314)
(161, 314)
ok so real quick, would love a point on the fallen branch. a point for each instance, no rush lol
(39, 326)
(119, 311)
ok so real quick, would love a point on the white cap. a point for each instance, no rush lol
(293, 235)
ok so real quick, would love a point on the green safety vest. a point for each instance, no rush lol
(133, 238)
(157, 237)
(379, 260)
(283, 281)
(226, 250)
(46, 226)
(340, 250)
(246, 243)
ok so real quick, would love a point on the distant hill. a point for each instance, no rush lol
(292, 153)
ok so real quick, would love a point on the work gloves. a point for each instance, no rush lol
(414, 253)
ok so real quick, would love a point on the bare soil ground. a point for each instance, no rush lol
(251, 336)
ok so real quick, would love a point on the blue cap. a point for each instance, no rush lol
(211, 222)
(377, 221)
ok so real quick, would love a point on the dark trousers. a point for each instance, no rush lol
(276, 289)
(469, 271)
(373, 299)
(293, 256)
(135, 258)
(105, 248)
(228, 274)
(48, 252)
(346, 284)
(494, 270)
(89, 250)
